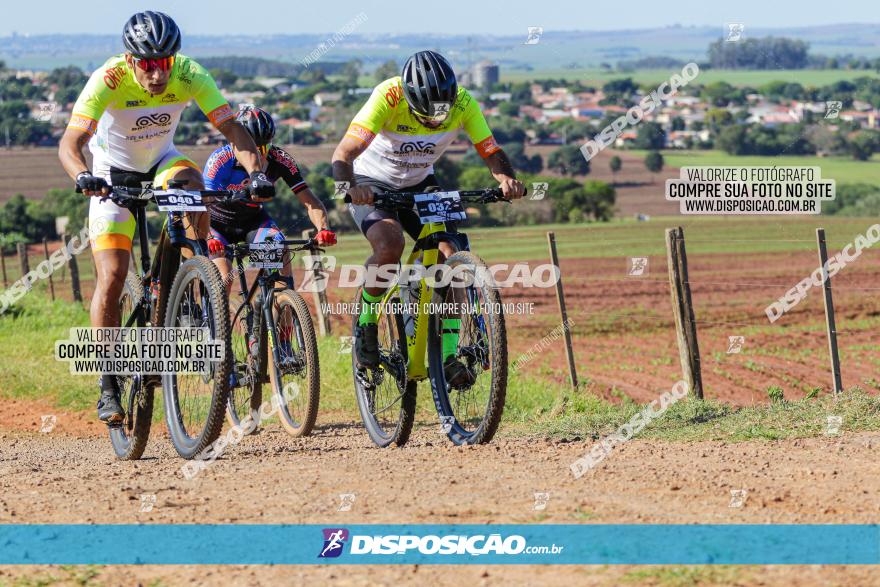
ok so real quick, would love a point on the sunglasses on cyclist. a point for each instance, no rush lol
(430, 119)
(154, 63)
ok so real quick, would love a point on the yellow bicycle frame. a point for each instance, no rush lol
(416, 345)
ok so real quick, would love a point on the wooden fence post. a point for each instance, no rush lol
(74, 271)
(3, 266)
(23, 262)
(51, 285)
(683, 309)
(319, 294)
(829, 313)
(560, 298)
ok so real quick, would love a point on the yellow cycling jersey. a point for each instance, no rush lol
(401, 150)
(134, 129)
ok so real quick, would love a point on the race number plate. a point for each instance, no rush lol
(179, 201)
(268, 255)
(439, 207)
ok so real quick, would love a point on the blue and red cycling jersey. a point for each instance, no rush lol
(224, 172)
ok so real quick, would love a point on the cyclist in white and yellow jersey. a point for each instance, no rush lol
(127, 113)
(391, 145)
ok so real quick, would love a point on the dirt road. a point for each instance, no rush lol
(59, 477)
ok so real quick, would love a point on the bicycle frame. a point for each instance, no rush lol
(417, 343)
(265, 281)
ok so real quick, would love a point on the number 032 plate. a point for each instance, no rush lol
(439, 207)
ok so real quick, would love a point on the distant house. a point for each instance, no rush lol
(626, 139)
(324, 98)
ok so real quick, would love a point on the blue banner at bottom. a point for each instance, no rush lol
(556, 544)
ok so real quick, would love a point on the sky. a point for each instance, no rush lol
(505, 17)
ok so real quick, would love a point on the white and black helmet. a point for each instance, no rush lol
(151, 35)
(429, 83)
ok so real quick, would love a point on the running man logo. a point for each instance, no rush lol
(535, 33)
(539, 190)
(441, 108)
(334, 541)
(446, 424)
(541, 499)
(47, 423)
(341, 189)
(345, 344)
(833, 425)
(832, 109)
(735, 32)
(638, 266)
(738, 497)
(346, 501)
(735, 344)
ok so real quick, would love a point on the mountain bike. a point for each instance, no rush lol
(280, 317)
(410, 331)
(173, 294)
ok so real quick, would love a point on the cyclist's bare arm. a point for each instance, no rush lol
(502, 171)
(70, 152)
(243, 146)
(348, 149)
(315, 208)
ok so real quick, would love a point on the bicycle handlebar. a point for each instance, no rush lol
(484, 196)
(121, 194)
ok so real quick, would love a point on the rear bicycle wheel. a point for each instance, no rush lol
(195, 403)
(386, 399)
(470, 412)
(129, 439)
(246, 385)
(296, 381)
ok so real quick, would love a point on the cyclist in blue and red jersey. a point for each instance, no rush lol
(237, 222)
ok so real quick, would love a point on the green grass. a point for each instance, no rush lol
(533, 407)
(686, 576)
(841, 169)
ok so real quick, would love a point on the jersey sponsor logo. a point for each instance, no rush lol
(420, 147)
(113, 76)
(404, 128)
(393, 96)
(284, 158)
(359, 132)
(217, 160)
(83, 123)
(487, 146)
(220, 114)
(159, 119)
(169, 98)
(135, 103)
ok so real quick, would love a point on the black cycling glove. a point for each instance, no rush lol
(85, 181)
(260, 186)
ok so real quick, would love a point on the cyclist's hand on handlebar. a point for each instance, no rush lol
(361, 195)
(326, 238)
(513, 189)
(215, 246)
(90, 185)
(260, 188)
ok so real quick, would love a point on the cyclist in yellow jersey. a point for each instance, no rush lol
(127, 113)
(391, 145)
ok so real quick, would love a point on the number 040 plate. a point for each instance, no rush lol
(439, 207)
(179, 201)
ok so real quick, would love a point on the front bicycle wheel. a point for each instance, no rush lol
(196, 402)
(386, 400)
(470, 411)
(246, 381)
(296, 380)
(129, 439)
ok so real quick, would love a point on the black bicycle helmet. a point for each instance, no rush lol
(151, 35)
(258, 123)
(428, 80)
